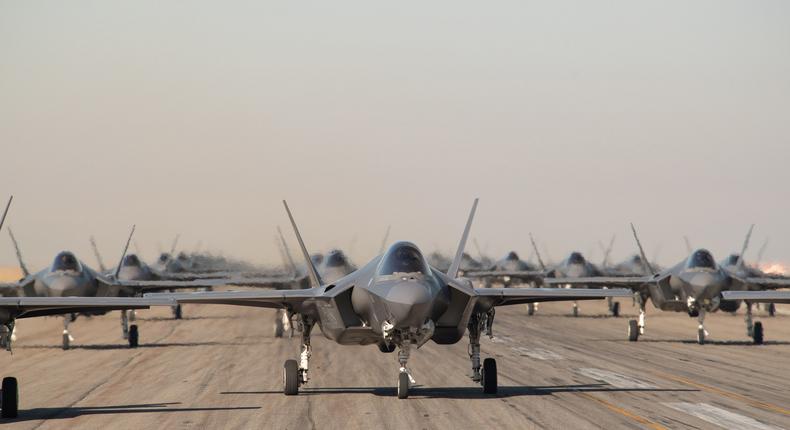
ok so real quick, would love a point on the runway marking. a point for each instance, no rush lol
(756, 403)
(720, 417)
(615, 379)
(537, 353)
(639, 419)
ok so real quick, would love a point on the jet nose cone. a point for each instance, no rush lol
(703, 284)
(409, 303)
(62, 285)
(576, 271)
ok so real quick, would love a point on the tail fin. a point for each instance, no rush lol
(18, 254)
(537, 253)
(645, 263)
(761, 251)
(5, 212)
(123, 255)
(384, 241)
(175, 243)
(287, 253)
(99, 260)
(689, 249)
(745, 245)
(315, 279)
(607, 251)
(456, 264)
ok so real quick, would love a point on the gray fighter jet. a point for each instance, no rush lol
(694, 285)
(68, 276)
(396, 301)
(13, 308)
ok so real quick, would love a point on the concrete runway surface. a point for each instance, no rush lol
(221, 367)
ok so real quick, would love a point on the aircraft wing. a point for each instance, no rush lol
(514, 296)
(766, 283)
(527, 275)
(758, 296)
(27, 307)
(632, 282)
(165, 285)
(293, 299)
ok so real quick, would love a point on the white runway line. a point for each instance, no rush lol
(720, 417)
(537, 353)
(615, 379)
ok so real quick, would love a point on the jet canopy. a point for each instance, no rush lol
(66, 261)
(576, 258)
(732, 260)
(335, 258)
(403, 257)
(511, 256)
(701, 259)
(131, 260)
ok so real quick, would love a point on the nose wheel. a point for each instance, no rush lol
(403, 385)
(177, 312)
(134, 336)
(9, 398)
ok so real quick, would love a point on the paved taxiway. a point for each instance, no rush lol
(220, 367)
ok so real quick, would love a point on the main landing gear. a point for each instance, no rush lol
(295, 374)
(753, 329)
(486, 374)
(9, 398)
(636, 328)
(130, 333)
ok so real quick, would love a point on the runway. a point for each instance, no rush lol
(220, 367)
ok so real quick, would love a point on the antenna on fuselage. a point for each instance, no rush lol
(646, 264)
(452, 272)
(689, 249)
(315, 279)
(123, 255)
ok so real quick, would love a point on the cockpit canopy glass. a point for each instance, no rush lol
(732, 260)
(403, 257)
(131, 260)
(511, 256)
(576, 258)
(66, 261)
(335, 258)
(701, 259)
(164, 257)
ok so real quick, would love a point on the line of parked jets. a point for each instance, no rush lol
(398, 301)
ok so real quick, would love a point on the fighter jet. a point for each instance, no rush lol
(13, 308)
(68, 276)
(508, 271)
(396, 301)
(694, 285)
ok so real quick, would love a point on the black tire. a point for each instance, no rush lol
(177, 314)
(386, 347)
(134, 336)
(771, 310)
(10, 398)
(278, 327)
(616, 309)
(575, 311)
(291, 378)
(701, 336)
(633, 330)
(403, 385)
(489, 376)
(757, 333)
(66, 342)
(530, 309)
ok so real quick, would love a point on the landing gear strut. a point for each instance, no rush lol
(637, 328)
(486, 375)
(575, 309)
(296, 374)
(67, 338)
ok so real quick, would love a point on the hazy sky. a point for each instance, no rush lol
(567, 118)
